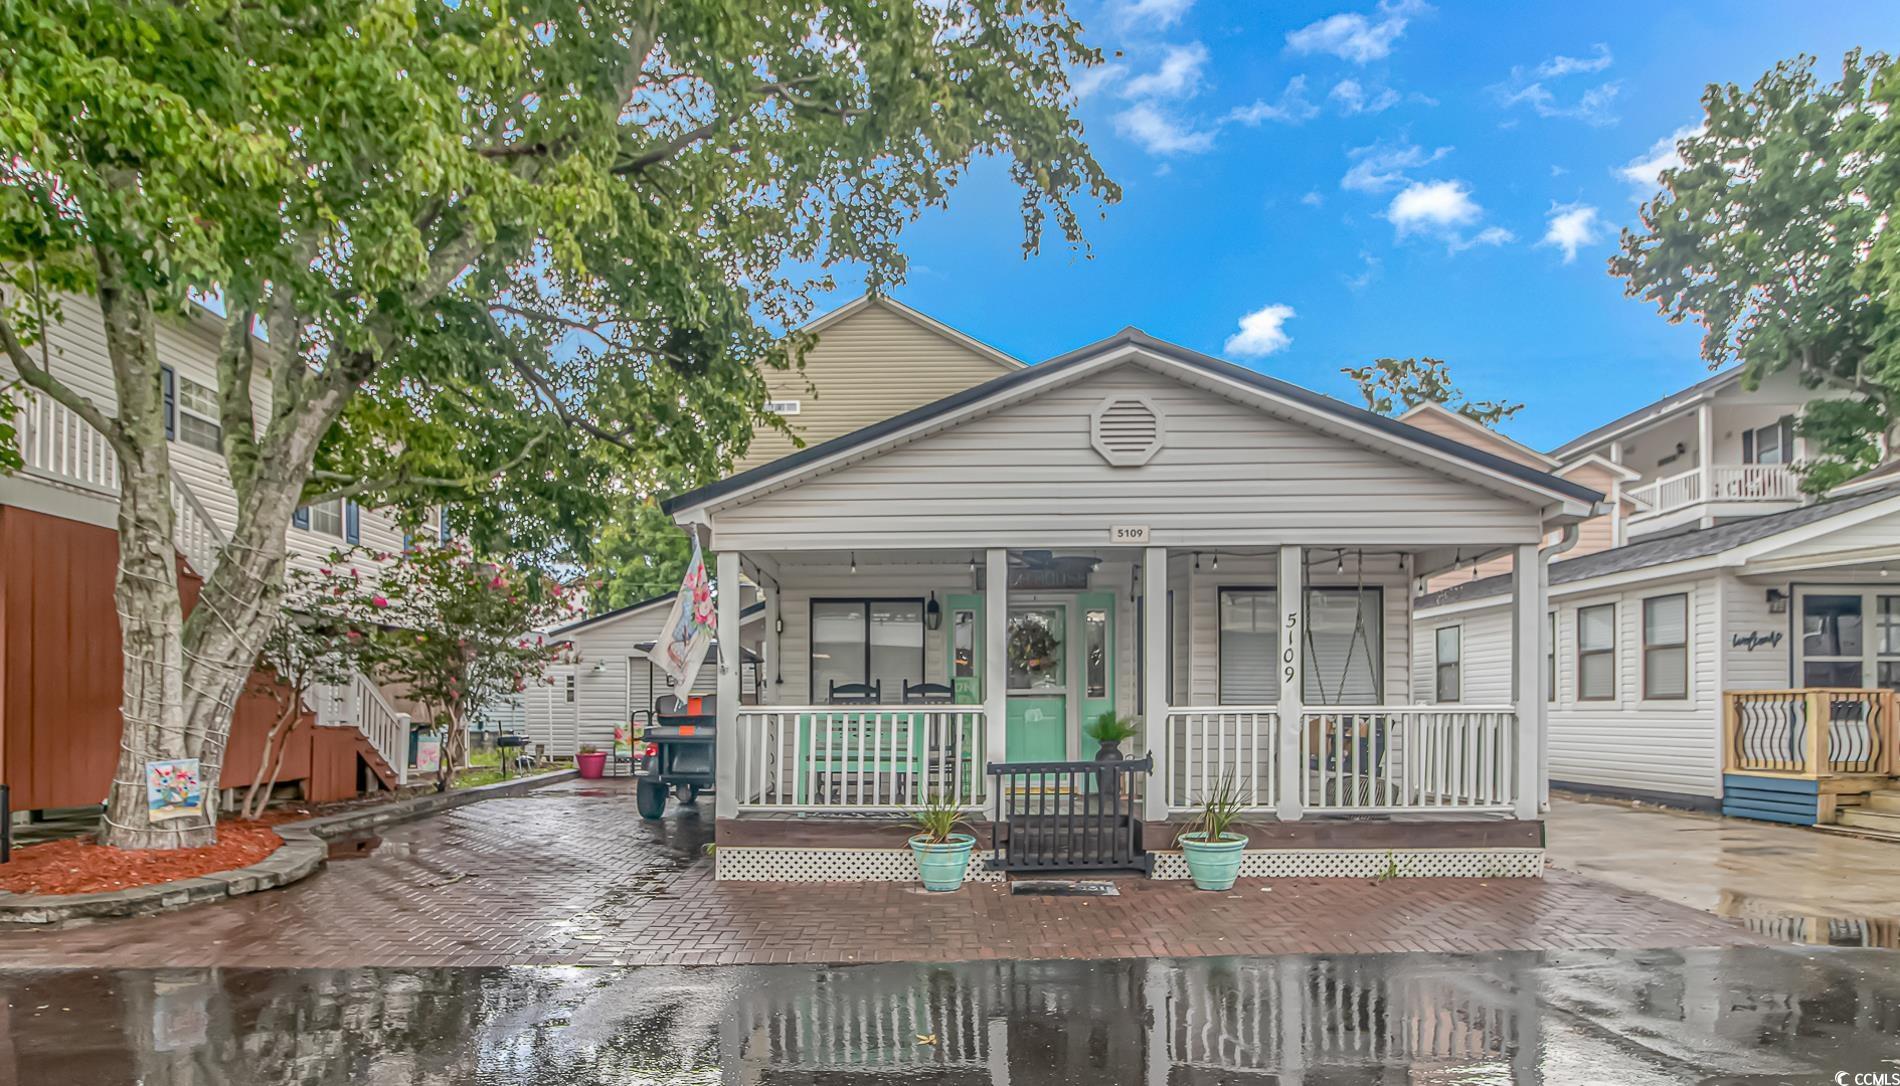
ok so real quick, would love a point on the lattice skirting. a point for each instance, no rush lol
(1372, 863)
(745, 864)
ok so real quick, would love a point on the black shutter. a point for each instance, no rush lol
(1748, 446)
(1787, 439)
(352, 522)
(301, 516)
(168, 385)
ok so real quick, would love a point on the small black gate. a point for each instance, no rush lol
(1069, 816)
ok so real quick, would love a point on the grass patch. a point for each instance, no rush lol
(485, 768)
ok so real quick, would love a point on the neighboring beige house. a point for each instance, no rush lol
(874, 358)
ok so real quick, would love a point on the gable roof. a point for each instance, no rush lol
(928, 323)
(1478, 430)
(1435, 446)
(634, 608)
(1650, 412)
(1663, 550)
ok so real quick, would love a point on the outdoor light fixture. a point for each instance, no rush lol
(1216, 561)
(854, 562)
(933, 614)
(1777, 602)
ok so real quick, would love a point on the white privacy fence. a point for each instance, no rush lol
(1389, 759)
(1236, 744)
(828, 757)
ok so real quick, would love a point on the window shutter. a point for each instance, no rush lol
(352, 521)
(168, 385)
(1748, 446)
(301, 517)
(1787, 439)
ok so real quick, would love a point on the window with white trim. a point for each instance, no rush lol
(1343, 656)
(1770, 444)
(1849, 638)
(1666, 647)
(1596, 652)
(1446, 661)
(197, 423)
(326, 518)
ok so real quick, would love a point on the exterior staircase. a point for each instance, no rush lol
(1879, 816)
(377, 764)
(382, 733)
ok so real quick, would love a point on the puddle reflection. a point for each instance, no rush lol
(1629, 1017)
(1774, 921)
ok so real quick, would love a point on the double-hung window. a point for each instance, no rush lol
(1341, 658)
(877, 641)
(1596, 652)
(1446, 659)
(326, 518)
(192, 412)
(1666, 647)
(1770, 444)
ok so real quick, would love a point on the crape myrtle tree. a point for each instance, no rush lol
(1774, 235)
(1393, 386)
(517, 258)
(453, 641)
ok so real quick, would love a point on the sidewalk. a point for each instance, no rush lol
(570, 874)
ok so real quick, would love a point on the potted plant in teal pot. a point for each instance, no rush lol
(1110, 730)
(1211, 847)
(943, 854)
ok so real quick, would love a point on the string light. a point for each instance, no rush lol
(854, 562)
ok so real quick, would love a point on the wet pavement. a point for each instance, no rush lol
(1752, 1014)
(1783, 882)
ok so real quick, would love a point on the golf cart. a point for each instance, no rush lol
(672, 749)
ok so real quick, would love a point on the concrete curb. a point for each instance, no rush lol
(306, 845)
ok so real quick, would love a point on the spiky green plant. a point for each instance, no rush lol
(1111, 727)
(1221, 806)
(936, 819)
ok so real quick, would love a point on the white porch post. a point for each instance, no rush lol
(995, 660)
(770, 666)
(1291, 665)
(726, 749)
(1527, 670)
(1155, 650)
(1705, 444)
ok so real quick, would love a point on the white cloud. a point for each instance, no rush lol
(1155, 14)
(1645, 170)
(1559, 66)
(1355, 98)
(1178, 76)
(1367, 273)
(1573, 226)
(1382, 166)
(1355, 37)
(1160, 133)
(1490, 235)
(1592, 107)
(1312, 199)
(1292, 107)
(1089, 81)
(1262, 332)
(1433, 205)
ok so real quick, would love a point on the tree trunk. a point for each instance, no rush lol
(272, 760)
(454, 750)
(151, 619)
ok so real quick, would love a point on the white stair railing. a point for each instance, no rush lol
(196, 534)
(360, 704)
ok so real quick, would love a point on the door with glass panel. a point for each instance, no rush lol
(1036, 645)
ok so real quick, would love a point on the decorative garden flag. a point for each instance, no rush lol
(689, 628)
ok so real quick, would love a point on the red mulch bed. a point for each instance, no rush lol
(77, 865)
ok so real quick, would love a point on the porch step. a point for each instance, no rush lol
(377, 764)
(1885, 799)
(1862, 833)
(1882, 820)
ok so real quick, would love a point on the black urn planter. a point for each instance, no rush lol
(1109, 751)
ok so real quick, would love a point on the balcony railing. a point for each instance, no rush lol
(1810, 732)
(1238, 744)
(1727, 483)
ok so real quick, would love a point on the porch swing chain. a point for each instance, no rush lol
(1358, 635)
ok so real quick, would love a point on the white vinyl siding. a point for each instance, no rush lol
(611, 681)
(1227, 468)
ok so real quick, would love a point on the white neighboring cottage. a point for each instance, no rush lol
(1691, 641)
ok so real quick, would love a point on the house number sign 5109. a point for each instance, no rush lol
(1128, 533)
(1291, 641)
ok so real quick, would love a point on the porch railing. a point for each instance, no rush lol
(1811, 732)
(1069, 816)
(1727, 483)
(831, 758)
(1390, 759)
(1236, 743)
(361, 704)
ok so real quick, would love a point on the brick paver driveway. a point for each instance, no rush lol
(571, 874)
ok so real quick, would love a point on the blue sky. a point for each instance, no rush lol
(1355, 180)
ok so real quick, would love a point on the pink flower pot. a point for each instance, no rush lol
(591, 765)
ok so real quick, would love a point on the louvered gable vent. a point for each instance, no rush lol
(1127, 430)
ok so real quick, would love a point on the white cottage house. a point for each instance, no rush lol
(952, 593)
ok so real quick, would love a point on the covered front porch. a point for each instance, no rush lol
(888, 677)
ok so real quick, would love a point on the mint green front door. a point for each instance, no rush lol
(1040, 695)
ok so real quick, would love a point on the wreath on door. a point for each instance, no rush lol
(1032, 646)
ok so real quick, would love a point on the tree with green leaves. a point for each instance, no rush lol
(522, 259)
(1393, 386)
(1773, 235)
(452, 637)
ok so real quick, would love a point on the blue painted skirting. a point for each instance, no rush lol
(1771, 799)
